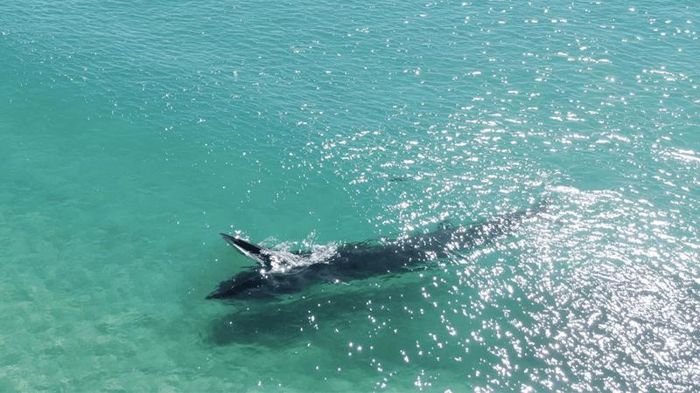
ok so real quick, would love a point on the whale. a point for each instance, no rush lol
(279, 272)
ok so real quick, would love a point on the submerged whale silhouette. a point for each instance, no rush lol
(284, 272)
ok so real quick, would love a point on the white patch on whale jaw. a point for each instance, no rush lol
(249, 255)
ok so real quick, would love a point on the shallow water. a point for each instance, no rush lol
(132, 134)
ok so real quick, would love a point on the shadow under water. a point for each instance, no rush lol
(284, 321)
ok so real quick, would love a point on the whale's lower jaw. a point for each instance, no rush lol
(249, 250)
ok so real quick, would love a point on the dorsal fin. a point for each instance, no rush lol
(250, 250)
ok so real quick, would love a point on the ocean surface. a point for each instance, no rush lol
(132, 133)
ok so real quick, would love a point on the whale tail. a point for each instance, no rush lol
(541, 207)
(249, 250)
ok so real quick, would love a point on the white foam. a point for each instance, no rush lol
(283, 259)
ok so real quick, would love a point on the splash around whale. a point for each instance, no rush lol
(284, 272)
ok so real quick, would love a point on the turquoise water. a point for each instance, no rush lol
(131, 134)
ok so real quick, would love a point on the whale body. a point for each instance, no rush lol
(282, 273)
